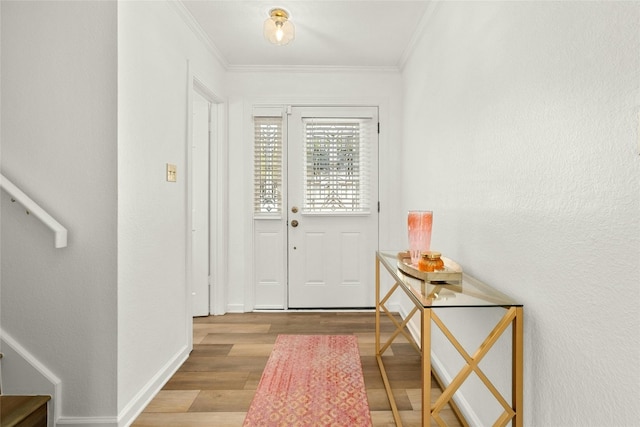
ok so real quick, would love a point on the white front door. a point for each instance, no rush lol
(332, 206)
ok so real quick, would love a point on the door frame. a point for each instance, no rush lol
(200, 195)
(385, 193)
(218, 196)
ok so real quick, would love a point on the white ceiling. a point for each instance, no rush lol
(329, 33)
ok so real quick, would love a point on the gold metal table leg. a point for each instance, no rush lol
(425, 346)
(379, 307)
(517, 366)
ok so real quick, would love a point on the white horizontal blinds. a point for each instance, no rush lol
(336, 165)
(267, 165)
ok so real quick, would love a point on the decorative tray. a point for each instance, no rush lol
(452, 271)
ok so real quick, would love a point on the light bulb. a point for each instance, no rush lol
(278, 29)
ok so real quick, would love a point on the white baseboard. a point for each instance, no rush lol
(268, 308)
(236, 308)
(23, 373)
(87, 422)
(140, 401)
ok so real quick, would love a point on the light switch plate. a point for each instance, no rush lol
(171, 172)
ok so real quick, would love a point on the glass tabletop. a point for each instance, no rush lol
(468, 292)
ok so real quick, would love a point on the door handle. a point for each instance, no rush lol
(294, 223)
(294, 209)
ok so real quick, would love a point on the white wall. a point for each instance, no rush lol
(522, 119)
(154, 45)
(331, 87)
(94, 98)
(59, 146)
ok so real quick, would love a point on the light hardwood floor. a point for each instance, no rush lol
(214, 387)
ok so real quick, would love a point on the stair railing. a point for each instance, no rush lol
(32, 208)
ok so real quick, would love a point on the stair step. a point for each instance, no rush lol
(23, 411)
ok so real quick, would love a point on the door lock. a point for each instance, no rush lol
(294, 223)
(294, 209)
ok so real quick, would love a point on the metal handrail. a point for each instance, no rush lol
(17, 195)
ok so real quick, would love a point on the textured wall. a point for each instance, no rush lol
(155, 47)
(521, 121)
(94, 98)
(59, 145)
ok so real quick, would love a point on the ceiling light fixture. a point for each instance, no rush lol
(277, 28)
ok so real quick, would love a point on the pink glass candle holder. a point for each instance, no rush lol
(419, 226)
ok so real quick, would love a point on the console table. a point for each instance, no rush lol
(428, 299)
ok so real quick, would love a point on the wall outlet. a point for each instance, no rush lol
(171, 173)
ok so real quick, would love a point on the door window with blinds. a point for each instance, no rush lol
(267, 165)
(336, 165)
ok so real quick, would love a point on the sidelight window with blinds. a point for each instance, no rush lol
(267, 165)
(336, 165)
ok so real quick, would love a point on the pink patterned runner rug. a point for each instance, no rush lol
(311, 380)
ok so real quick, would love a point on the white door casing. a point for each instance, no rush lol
(200, 248)
(332, 192)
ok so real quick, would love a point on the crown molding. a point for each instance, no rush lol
(311, 69)
(197, 30)
(431, 9)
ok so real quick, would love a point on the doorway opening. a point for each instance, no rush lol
(206, 208)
